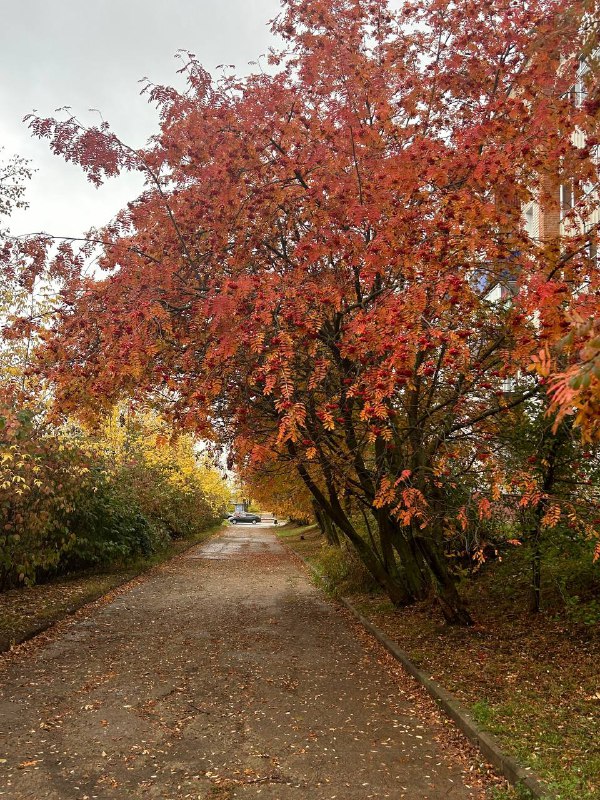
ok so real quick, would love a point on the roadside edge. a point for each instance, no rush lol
(72, 610)
(515, 773)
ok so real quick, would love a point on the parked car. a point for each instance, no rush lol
(252, 518)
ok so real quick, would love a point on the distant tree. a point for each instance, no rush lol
(14, 173)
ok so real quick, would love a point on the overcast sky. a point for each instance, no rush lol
(91, 54)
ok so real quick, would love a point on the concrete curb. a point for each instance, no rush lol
(517, 775)
(486, 742)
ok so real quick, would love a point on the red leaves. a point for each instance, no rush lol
(319, 268)
(97, 150)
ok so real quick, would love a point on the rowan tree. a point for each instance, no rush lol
(308, 275)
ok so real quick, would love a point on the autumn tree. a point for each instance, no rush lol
(328, 266)
(39, 472)
(71, 497)
(14, 174)
(274, 486)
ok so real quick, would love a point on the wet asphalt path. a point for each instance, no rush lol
(223, 674)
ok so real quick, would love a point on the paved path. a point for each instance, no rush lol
(224, 674)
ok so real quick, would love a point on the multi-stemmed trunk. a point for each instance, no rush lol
(326, 526)
(408, 562)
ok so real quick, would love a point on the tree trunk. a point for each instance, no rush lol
(392, 584)
(453, 606)
(332, 508)
(412, 571)
(534, 535)
(536, 571)
(327, 527)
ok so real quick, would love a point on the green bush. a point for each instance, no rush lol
(108, 526)
(343, 571)
(71, 500)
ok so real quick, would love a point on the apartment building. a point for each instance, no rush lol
(576, 207)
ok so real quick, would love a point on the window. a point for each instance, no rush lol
(530, 221)
(578, 91)
(566, 198)
(592, 248)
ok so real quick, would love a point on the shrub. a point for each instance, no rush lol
(71, 500)
(40, 474)
(108, 526)
(343, 571)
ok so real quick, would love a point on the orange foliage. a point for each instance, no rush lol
(308, 276)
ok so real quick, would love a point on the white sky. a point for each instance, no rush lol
(91, 54)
